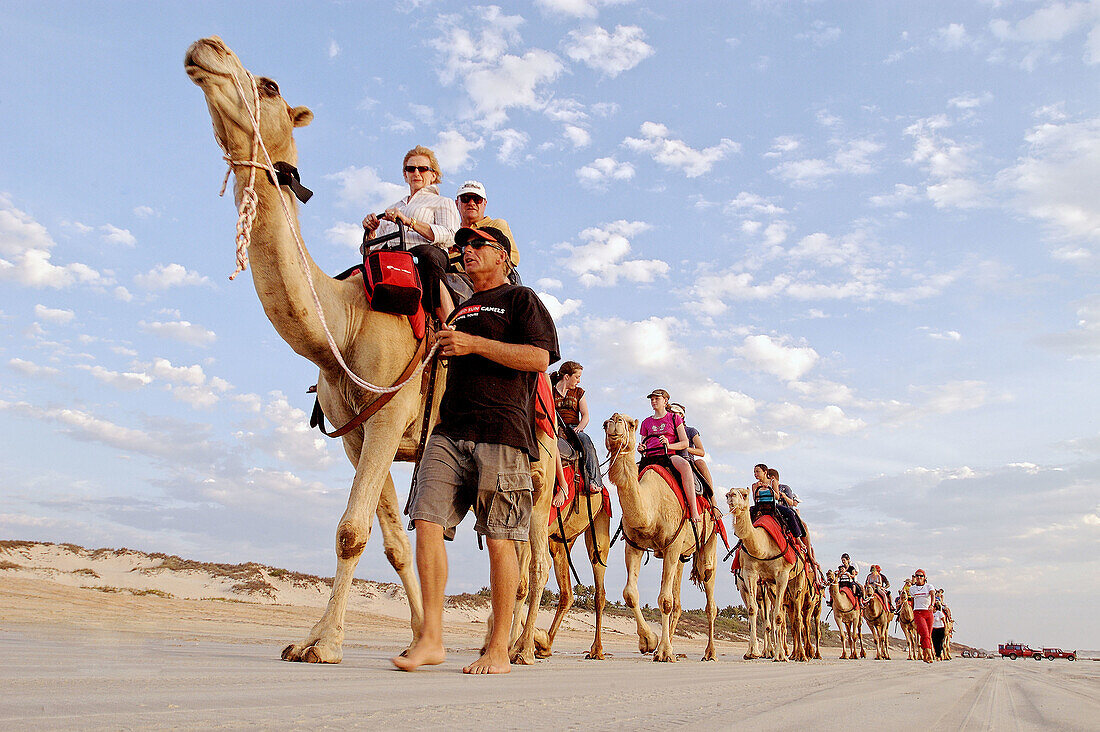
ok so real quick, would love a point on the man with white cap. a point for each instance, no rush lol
(471, 201)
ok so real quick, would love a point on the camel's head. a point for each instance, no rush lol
(619, 432)
(830, 577)
(738, 500)
(214, 67)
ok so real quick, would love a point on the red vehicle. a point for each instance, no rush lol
(1059, 653)
(1019, 650)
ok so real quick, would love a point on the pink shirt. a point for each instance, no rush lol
(653, 428)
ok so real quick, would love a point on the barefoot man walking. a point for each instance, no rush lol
(478, 455)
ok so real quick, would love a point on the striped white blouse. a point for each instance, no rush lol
(426, 206)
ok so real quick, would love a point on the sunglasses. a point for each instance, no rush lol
(919, 576)
(417, 168)
(467, 197)
(479, 243)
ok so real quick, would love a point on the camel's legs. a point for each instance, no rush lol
(324, 644)
(602, 524)
(558, 552)
(399, 551)
(542, 479)
(708, 557)
(647, 639)
(671, 572)
(859, 634)
(748, 587)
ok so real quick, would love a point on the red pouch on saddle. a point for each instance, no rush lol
(392, 282)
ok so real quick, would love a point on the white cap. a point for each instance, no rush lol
(472, 186)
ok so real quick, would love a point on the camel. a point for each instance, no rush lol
(761, 560)
(849, 618)
(908, 625)
(878, 616)
(575, 522)
(653, 520)
(376, 346)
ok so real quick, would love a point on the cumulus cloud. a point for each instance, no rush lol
(333, 49)
(746, 203)
(453, 149)
(602, 171)
(362, 189)
(510, 144)
(673, 153)
(53, 315)
(953, 35)
(165, 276)
(850, 157)
(578, 136)
(494, 79)
(1084, 340)
(145, 212)
(610, 53)
(830, 420)
(25, 254)
(775, 357)
(576, 8)
(125, 380)
(820, 34)
(1054, 183)
(559, 308)
(347, 234)
(288, 436)
(602, 259)
(1051, 24)
(180, 330)
(115, 235)
(947, 163)
(941, 335)
(31, 369)
(651, 345)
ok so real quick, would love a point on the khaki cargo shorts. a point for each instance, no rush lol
(457, 475)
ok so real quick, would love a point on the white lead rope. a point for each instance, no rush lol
(247, 217)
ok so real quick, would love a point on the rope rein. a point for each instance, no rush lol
(247, 216)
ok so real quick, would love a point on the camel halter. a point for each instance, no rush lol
(247, 216)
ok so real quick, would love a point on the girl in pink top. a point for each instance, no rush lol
(664, 433)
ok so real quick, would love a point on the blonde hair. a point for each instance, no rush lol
(426, 152)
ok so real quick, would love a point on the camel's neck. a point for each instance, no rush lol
(279, 274)
(639, 509)
(758, 542)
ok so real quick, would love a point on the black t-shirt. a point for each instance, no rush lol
(487, 402)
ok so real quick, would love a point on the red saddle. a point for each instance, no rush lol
(851, 596)
(701, 502)
(571, 494)
(775, 531)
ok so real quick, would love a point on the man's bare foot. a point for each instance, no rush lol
(421, 654)
(489, 663)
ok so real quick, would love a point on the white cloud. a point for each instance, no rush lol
(180, 330)
(114, 235)
(576, 8)
(578, 136)
(165, 276)
(289, 438)
(947, 163)
(31, 369)
(602, 171)
(953, 35)
(125, 380)
(901, 195)
(511, 144)
(453, 149)
(145, 212)
(346, 234)
(851, 157)
(773, 356)
(610, 53)
(53, 315)
(829, 420)
(602, 259)
(677, 154)
(162, 368)
(25, 256)
(362, 189)
(122, 294)
(494, 79)
(559, 308)
(820, 34)
(1084, 341)
(938, 335)
(333, 49)
(782, 145)
(970, 101)
(548, 283)
(1055, 183)
(649, 345)
(754, 204)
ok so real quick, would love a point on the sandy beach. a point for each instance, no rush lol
(84, 658)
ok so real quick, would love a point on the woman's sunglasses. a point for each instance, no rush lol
(417, 168)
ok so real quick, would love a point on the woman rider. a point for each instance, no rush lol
(571, 404)
(694, 452)
(664, 434)
(431, 222)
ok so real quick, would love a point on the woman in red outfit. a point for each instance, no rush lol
(923, 594)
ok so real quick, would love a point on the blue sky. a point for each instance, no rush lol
(859, 241)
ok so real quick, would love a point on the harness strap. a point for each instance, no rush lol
(565, 543)
(318, 418)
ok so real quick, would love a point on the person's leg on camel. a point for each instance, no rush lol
(687, 480)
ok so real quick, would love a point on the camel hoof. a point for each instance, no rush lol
(522, 659)
(647, 645)
(664, 657)
(595, 655)
(320, 653)
(291, 653)
(543, 652)
(751, 656)
(708, 657)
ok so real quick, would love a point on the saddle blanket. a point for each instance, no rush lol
(571, 495)
(701, 502)
(775, 531)
(851, 595)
